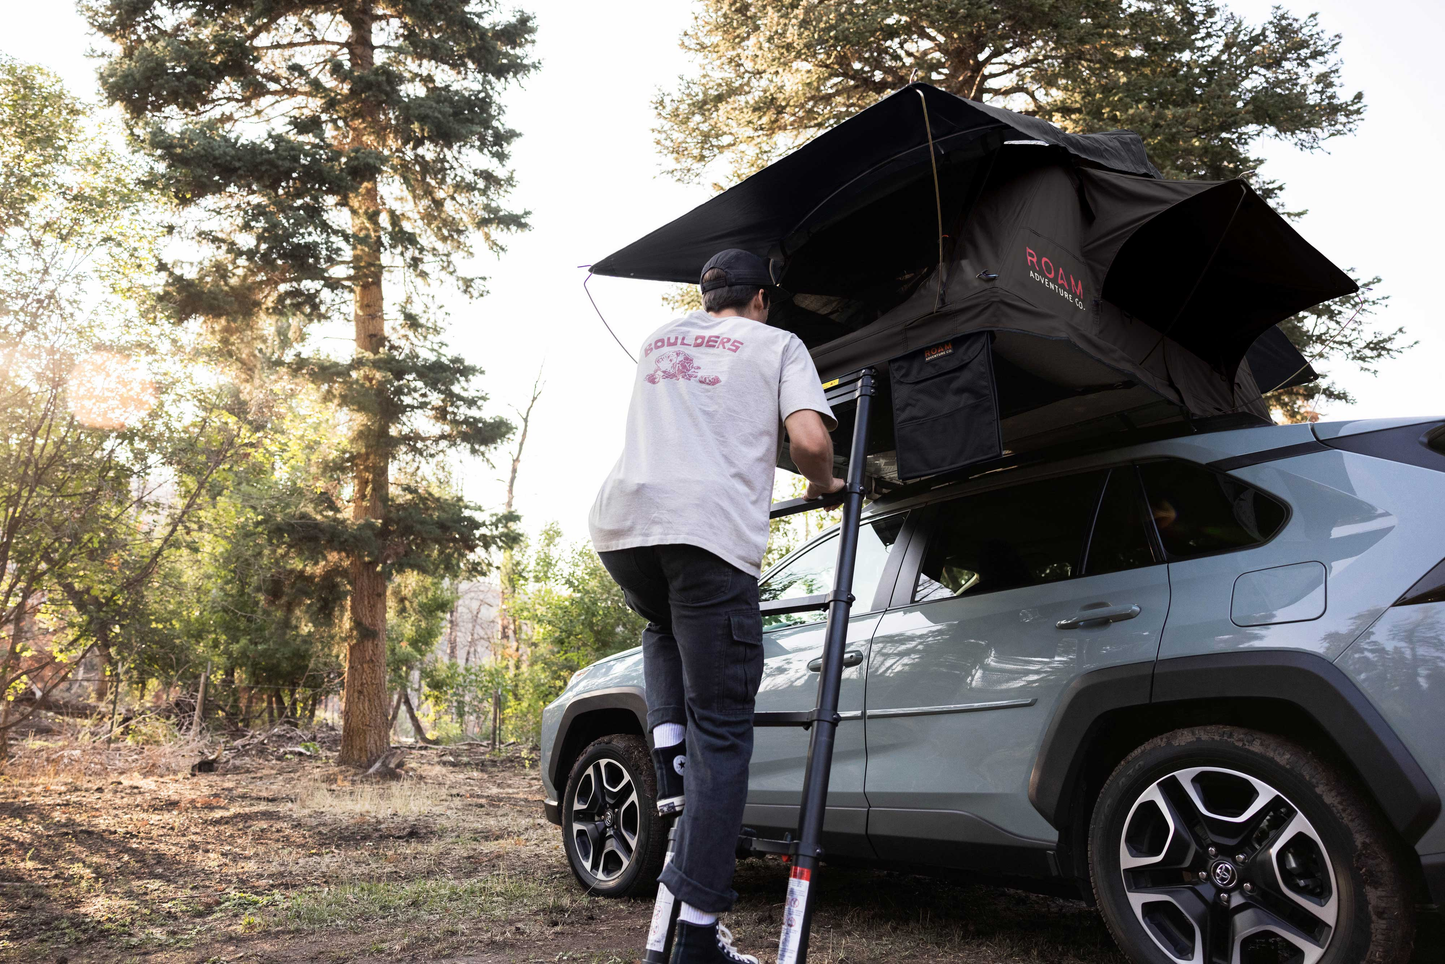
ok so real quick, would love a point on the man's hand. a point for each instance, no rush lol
(812, 451)
(816, 491)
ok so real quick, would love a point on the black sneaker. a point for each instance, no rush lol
(669, 762)
(706, 944)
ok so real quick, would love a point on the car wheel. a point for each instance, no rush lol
(1220, 844)
(615, 841)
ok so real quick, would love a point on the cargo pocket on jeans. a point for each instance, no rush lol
(945, 406)
(744, 669)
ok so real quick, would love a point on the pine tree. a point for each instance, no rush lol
(328, 153)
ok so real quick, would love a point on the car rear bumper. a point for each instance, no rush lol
(553, 810)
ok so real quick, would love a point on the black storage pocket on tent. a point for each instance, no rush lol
(945, 406)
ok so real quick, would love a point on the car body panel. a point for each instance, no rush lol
(1338, 519)
(775, 776)
(1399, 663)
(978, 678)
(1346, 428)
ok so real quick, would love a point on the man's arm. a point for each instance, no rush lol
(811, 447)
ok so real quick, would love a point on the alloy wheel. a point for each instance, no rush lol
(1221, 868)
(606, 814)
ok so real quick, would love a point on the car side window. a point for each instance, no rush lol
(1198, 511)
(1121, 530)
(1007, 538)
(810, 573)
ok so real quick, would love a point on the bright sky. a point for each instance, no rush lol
(587, 170)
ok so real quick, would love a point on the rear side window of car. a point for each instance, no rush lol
(810, 573)
(1121, 531)
(1009, 538)
(1198, 511)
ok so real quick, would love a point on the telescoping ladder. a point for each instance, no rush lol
(806, 850)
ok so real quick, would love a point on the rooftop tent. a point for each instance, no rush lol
(1073, 292)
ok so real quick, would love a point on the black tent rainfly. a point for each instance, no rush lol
(1017, 285)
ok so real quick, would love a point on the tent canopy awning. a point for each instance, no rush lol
(779, 209)
(1108, 297)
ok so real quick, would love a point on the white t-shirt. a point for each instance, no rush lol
(703, 435)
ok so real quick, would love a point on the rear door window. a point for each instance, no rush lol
(1007, 538)
(810, 573)
(1198, 511)
(1121, 537)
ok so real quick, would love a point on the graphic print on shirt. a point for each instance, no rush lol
(679, 366)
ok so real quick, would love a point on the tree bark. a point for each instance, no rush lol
(506, 624)
(364, 733)
(395, 710)
(421, 736)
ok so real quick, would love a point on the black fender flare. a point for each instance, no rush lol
(629, 698)
(1304, 680)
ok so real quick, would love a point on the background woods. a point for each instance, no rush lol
(234, 437)
(323, 157)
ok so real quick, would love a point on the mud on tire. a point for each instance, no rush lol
(1319, 881)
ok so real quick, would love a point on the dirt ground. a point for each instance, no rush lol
(290, 861)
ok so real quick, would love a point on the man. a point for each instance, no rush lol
(682, 523)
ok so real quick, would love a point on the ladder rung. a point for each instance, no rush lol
(798, 604)
(848, 387)
(803, 718)
(794, 506)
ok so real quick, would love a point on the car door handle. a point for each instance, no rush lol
(852, 657)
(1109, 614)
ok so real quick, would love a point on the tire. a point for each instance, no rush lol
(1320, 882)
(614, 839)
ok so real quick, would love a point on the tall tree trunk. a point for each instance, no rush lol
(416, 726)
(102, 683)
(364, 733)
(506, 623)
(12, 659)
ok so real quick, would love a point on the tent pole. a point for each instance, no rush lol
(937, 201)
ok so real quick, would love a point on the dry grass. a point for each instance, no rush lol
(82, 760)
(298, 861)
(345, 796)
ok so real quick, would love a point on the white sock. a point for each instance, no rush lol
(692, 915)
(668, 734)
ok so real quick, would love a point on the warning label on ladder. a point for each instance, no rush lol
(661, 917)
(793, 915)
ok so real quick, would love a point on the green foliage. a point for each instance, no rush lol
(1337, 330)
(572, 607)
(324, 153)
(573, 614)
(108, 439)
(1198, 83)
(264, 614)
(794, 531)
(272, 118)
(416, 620)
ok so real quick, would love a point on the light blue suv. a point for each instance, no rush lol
(1201, 677)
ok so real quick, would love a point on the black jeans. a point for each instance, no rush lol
(702, 659)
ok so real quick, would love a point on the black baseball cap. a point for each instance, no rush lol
(739, 267)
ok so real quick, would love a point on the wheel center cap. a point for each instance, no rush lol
(607, 818)
(1224, 874)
